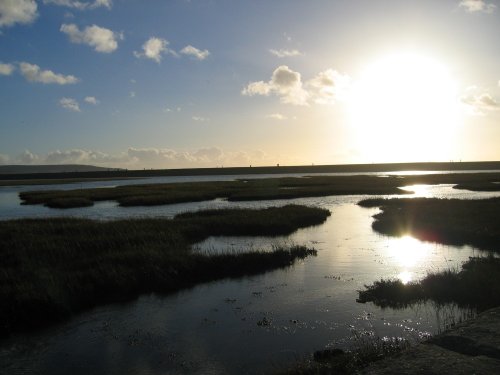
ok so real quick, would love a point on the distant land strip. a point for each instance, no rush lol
(113, 173)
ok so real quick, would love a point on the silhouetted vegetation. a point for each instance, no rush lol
(479, 186)
(447, 221)
(365, 350)
(239, 190)
(52, 268)
(476, 285)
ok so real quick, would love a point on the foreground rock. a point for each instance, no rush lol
(472, 347)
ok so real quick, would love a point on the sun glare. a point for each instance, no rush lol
(404, 107)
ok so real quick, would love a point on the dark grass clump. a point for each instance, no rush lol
(447, 221)
(53, 268)
(478, 186)
(476, 285)
(69, 202)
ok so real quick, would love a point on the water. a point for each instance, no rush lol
(249, 325)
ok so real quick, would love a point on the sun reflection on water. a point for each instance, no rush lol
(418, 190)
(409, 255)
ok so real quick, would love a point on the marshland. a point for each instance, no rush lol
(167, 284)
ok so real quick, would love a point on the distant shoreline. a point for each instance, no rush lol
(340, 168)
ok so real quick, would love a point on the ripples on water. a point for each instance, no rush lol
(248, 325)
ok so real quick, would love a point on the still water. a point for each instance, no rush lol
(249, 325)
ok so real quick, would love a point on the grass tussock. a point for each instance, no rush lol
(476, 285)
(239, 190)
(53, 268)
(447, 221)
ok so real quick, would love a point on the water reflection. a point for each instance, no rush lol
(214, 328)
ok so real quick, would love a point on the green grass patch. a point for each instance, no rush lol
(447, 221)
(53, 268)
(476, 285)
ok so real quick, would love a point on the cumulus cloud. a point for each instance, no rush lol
(285, 52)
(284, 82)
(277, 116)
(200, 119)
(17, 11)
(328, 86)
(4, 159)
(204, 157)
(6, 69)
(80, 156)
(81, 5)
(70, 104)
(33, 73)
(154, 48)
(27, 157)
(146, 158)
(479, 104)
(101, 39)
(195, 52)
(325, 88)
(473, 6)
(91, 100)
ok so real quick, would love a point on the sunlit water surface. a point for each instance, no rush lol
(248, 325)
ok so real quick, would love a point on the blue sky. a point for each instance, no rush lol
(166, 84)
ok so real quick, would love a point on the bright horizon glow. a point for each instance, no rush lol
(405, 105)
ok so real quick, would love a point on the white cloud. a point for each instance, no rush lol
(473, 6)
(27, 157)
(285, 52)
(479, 104)
(100, 38)
(70, 104)
(277, 116)
(328, 86)
(154, 48)
(4, 159)
(79, 156)
(131, 94)
(91, 100)
(325, 88)
(204, 157)
(81, 5)
(17, 11)
(284, 83)
(6, 69)
(33, 73)
(147, 158)
(195, 52)
(200, 119)
(168, 110)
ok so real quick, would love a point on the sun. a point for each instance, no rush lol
(405, 107)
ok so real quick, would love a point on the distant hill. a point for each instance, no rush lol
(63, 168)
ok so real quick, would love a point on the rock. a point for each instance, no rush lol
(472, 347)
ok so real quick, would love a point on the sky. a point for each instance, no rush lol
(212, 83)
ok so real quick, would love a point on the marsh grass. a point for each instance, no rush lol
(447, 221)
(476, 285)
(239, 190)
(53, 268)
